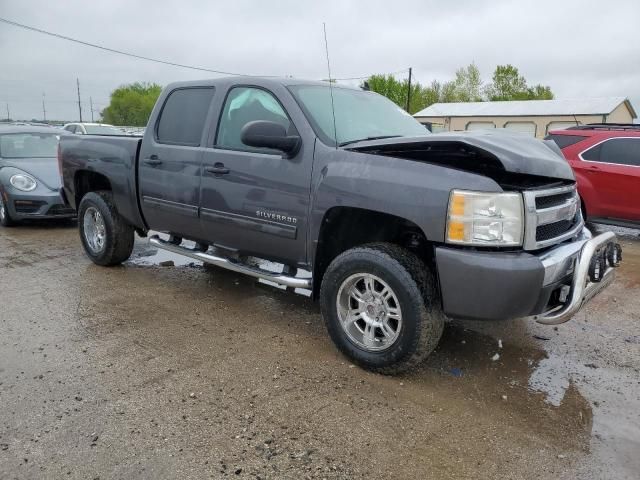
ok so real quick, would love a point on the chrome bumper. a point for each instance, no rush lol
(579, 254)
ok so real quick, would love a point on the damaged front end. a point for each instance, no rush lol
(558, 265)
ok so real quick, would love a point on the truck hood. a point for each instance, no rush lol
(477, 151)
(45, 170)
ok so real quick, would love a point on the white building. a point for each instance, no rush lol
(535, 117)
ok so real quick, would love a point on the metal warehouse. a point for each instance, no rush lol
(534, 117)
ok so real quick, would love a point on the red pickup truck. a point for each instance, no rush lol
(606, 161)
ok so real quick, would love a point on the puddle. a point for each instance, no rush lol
(551, 378)
(611, 391)
(146, 255)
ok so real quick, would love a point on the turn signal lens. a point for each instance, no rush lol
(456, 231)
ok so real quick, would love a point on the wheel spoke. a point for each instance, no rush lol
(357, 294)
(386, 294)
(393, 313)
(387, 331)
(352, 316)
(369, 335)
(369, 285)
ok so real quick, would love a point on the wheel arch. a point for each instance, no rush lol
(85, 181)
(345, 227)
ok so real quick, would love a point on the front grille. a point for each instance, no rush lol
(551, 216)
(555, 229)
(60, 210)
(27, 206)
(553, 200)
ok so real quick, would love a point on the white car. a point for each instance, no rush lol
(93, 129)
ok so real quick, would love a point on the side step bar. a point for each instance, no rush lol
(231, 264)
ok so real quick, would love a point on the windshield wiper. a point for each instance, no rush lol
(380, 137)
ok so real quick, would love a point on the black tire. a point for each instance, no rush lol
(5, 216)
(119, 235)
(413, 285)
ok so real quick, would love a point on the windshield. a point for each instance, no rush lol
(360, 114)
(29, 145)
(102, 130)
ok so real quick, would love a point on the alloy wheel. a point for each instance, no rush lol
(369, 312)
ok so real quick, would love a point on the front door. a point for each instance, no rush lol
(613, 167)
(254, 200)
(170, 163)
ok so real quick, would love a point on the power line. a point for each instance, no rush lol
(113, 50)
(156, 60)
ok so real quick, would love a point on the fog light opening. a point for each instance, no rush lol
(614, 254)
(596, 267)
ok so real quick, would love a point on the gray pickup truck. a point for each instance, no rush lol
(399, 228)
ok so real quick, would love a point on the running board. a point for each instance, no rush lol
(231, 264)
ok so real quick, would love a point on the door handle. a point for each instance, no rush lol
(217, 169)
(153, 160)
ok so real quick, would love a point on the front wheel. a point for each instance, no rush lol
(5, 216)
(106, 237)
(381, 307)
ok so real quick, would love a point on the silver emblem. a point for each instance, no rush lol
(278, 217)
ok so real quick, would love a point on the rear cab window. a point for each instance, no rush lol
(183, 116)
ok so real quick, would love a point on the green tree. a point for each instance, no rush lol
(397, 90)
(540, 92)
(508, 84)
(467, 86)
(390, 87)
(131, 104)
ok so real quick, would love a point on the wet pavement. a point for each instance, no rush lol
(162, 368)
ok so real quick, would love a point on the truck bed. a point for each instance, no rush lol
(90, 159)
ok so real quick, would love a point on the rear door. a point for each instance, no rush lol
(613, 168)
(170, 162)
(255, 200)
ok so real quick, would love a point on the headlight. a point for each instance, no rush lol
(23, 182)
(485, 219)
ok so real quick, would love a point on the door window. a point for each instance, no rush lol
(620, 151)
(183, 116)
(244, 105)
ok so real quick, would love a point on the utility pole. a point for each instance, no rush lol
(8, 114)
(79, 104)
(91, 104)
(44, 110)
(409, 92)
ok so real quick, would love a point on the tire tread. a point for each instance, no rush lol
(418, 279)
(120, 244)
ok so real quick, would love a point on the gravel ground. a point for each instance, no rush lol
(149, 371)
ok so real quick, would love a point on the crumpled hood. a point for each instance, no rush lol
(44, 170)
(517, 153)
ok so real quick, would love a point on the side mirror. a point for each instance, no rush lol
(264, 134)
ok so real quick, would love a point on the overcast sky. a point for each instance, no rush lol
(582, 48)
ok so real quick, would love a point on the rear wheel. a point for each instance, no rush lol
(381, 307)
(106, 237)
(5, 216)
